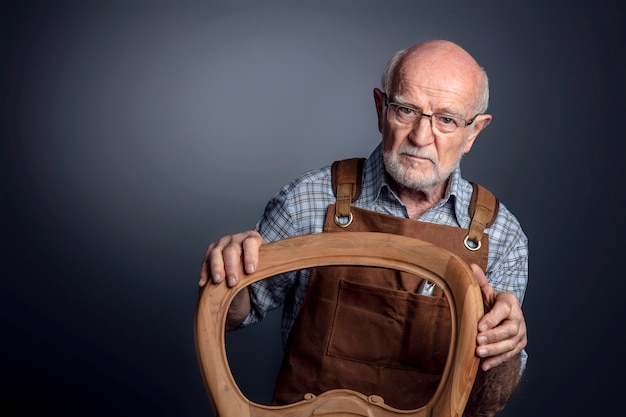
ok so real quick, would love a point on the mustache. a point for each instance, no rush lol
(416, 152)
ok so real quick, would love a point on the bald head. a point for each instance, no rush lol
(439, 61)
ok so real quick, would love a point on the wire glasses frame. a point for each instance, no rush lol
(408, 115)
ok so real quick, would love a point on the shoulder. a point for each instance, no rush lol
(299, 207)
(504, 233)
(311, 184)
(507, 227)
(464, 191)
(508, 244)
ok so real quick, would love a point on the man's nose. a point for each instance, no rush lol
(422, 131)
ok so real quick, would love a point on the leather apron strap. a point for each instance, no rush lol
(347, 177)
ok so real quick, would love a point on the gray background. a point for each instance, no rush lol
(134, 133)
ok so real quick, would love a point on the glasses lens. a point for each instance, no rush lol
(402, 114)
(445, 124)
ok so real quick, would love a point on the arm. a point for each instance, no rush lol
(493, 388)
(501, 338)
(238, 310)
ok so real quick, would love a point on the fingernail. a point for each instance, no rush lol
(231, 281)
(250, 268)
(482, 352)
(216, 278)
(482, 340)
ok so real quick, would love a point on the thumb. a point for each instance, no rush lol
(489, 294)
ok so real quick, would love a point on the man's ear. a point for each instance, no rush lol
(379, 101)
(481, 122)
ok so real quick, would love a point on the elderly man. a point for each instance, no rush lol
(430, 112)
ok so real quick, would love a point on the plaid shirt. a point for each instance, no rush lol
(299, 208)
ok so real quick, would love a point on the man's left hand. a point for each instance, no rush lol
(502, 330)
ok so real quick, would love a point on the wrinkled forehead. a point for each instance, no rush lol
(441, 75)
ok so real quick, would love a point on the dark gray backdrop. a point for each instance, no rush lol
(134, 133)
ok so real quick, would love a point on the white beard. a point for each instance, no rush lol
(412, 178)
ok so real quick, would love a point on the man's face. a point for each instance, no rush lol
(416, 155)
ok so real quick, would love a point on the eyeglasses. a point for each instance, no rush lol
(407, 115)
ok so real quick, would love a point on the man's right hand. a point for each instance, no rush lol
(223, 257)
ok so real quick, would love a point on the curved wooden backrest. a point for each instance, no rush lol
(347, 248)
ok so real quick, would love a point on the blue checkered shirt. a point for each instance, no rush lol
(299, 208)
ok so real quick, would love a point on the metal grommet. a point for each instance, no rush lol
(468, 246)
(338, 223)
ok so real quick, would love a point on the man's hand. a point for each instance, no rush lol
(502, 330)
(223, 257)
(221, 262)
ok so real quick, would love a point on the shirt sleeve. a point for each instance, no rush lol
(270, 293)
(508, 269)
(298, 209)
(508, 266)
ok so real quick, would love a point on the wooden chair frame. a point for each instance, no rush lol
(347, 248)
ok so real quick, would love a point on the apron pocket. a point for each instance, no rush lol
(390, 328)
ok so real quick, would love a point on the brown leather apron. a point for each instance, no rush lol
(368, 329)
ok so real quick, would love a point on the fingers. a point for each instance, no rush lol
(226, 264)
(251, 252)
(213, 265)
(502, 332)
(500, 351)
(490, 362)
(508, 336)
(505, 307)
(223, 258)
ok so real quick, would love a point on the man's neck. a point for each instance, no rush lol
(417, 202)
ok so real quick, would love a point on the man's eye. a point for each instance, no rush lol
(405, 110)
(446, 120)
